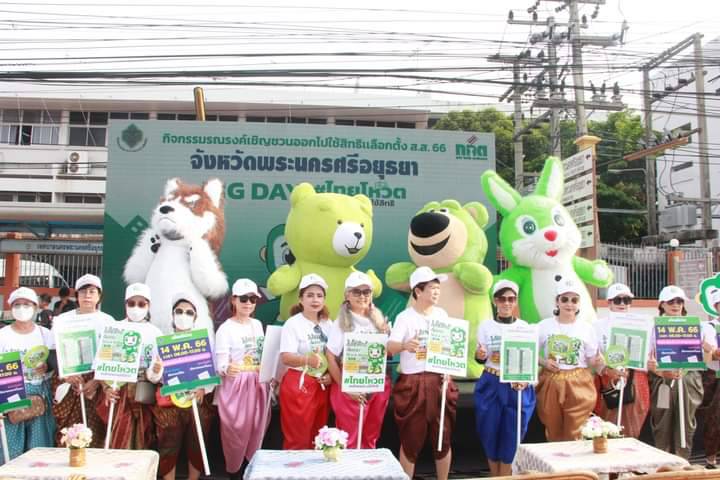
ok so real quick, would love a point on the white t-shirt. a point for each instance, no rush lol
(99, 319)
(580, 345)
(336, 339)
(239, 343)
(302, 336)
(602, 332)
(149, 334)
(12, 341)
(489, 335)
(409, 323)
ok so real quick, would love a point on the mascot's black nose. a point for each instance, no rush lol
(428, 224)
(358, 235)
(166, 209)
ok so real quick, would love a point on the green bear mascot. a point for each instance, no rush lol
(539, 238)
(328, 233)
(449, 238)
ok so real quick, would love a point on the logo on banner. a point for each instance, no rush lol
(132, 139)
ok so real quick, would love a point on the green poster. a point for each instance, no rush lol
(519, 354)
(678, 343)
(447, 346)
(76, 345)
(364, 362)
(631, 334)
(118, 357)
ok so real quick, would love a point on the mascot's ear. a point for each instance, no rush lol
(451, 204)
(170, 186)
(300, 192)
(365, 204)
(478, 212)
(500, 193)
(214, 189)
(552, 180)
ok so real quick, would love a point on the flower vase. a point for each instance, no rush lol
(332, 454)
(600, 445)
(77, 457)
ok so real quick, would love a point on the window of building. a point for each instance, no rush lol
(317, 121)
(251, 118)
(345, 122)
(365, 123)
(6, 196)
(29, 127)
(297, 120)
(26, 197)
(88, 128)
(84, 198)
(43, 197)
(405, 125)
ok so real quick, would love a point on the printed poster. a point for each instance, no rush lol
(12, 383)
(447, 347)
(119, 354)
(364, 362)
(630, 333)
(519, 354)
(76, 345)
(270, 360)
(187, 361)
(678, 343)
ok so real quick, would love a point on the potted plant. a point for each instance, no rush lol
(331, 441)
(76, 438)
(598, 430)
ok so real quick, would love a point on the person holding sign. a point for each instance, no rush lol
(76, 334)
(566, 391)
(357, 314)
(33, 426)
(667, 390)
(417, 393)
(496, 403)
(242, 399)
(711, 400)
(174, 422)
(304, 397)
(132, 425)
(635, 409)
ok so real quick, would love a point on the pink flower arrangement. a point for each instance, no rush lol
(597, 427)
(330, 438)
(76, 436)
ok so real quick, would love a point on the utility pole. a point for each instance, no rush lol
(577, 69)
(517, 126)
(555, 93)
(706, 206)
(650, 175)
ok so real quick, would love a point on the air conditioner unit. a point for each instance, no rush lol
(76, 163)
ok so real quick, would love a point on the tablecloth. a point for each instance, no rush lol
(624, 455)
(354, 464)
(53, 464)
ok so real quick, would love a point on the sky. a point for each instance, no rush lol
(292, 51)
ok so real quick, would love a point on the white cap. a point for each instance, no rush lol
(244, 286)
(137, 290)
(568, 286)
(670, 292)
(183, 296)
(312, 279)
(617, 289)
(503, 284)
(88, 279)
(357, 279)
(424, 275)
(24, 293)
(714, 297)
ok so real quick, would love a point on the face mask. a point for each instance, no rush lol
(183, 322)
(23, 313)
(136, 314)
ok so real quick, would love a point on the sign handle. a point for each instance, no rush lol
(82, 404)
(201, 439)
(621, 386)
(442, 412)
(681, 401)
(519, 417)
(6, 452)
(108, 435)
(360, 425)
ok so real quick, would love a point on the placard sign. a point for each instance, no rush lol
(187, 361)
(631, 333)
(76, 345)
(447, 346)
(364, 362)
(12, 383)
(519, 354)
(118, 358)
(678, 343)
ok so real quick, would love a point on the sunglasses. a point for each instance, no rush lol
(366, 292)
(676, 301)
(247, 298)
(622, 300)
(180, 311)
(133, 303)
(320, 332)
(504, 299)
(574, 300)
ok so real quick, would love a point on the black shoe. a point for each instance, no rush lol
(710, 466)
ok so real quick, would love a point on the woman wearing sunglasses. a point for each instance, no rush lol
(620, 299)
(357, 314)
(304, 396)
(566, 391)
(664, 383)
(495, 402)
(174, 422)
(133, 427)
(242, 399)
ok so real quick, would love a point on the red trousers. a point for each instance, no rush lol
(347, 415)
(303, 411)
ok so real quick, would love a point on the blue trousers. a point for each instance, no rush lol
(496, 416)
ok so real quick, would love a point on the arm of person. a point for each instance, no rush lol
(297, 360)
(334, 367)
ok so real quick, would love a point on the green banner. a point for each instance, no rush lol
(364, 363)
(519, 354)
(678, 343)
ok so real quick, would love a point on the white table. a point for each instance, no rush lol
(53, 464)
(624, 455)
(354, 464)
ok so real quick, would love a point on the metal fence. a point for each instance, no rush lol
(54, 270)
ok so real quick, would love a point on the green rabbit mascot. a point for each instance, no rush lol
(540, 239)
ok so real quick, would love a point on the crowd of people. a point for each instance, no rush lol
(571, 387)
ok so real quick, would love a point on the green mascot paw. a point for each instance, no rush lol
(397, 275)
(474, 277)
